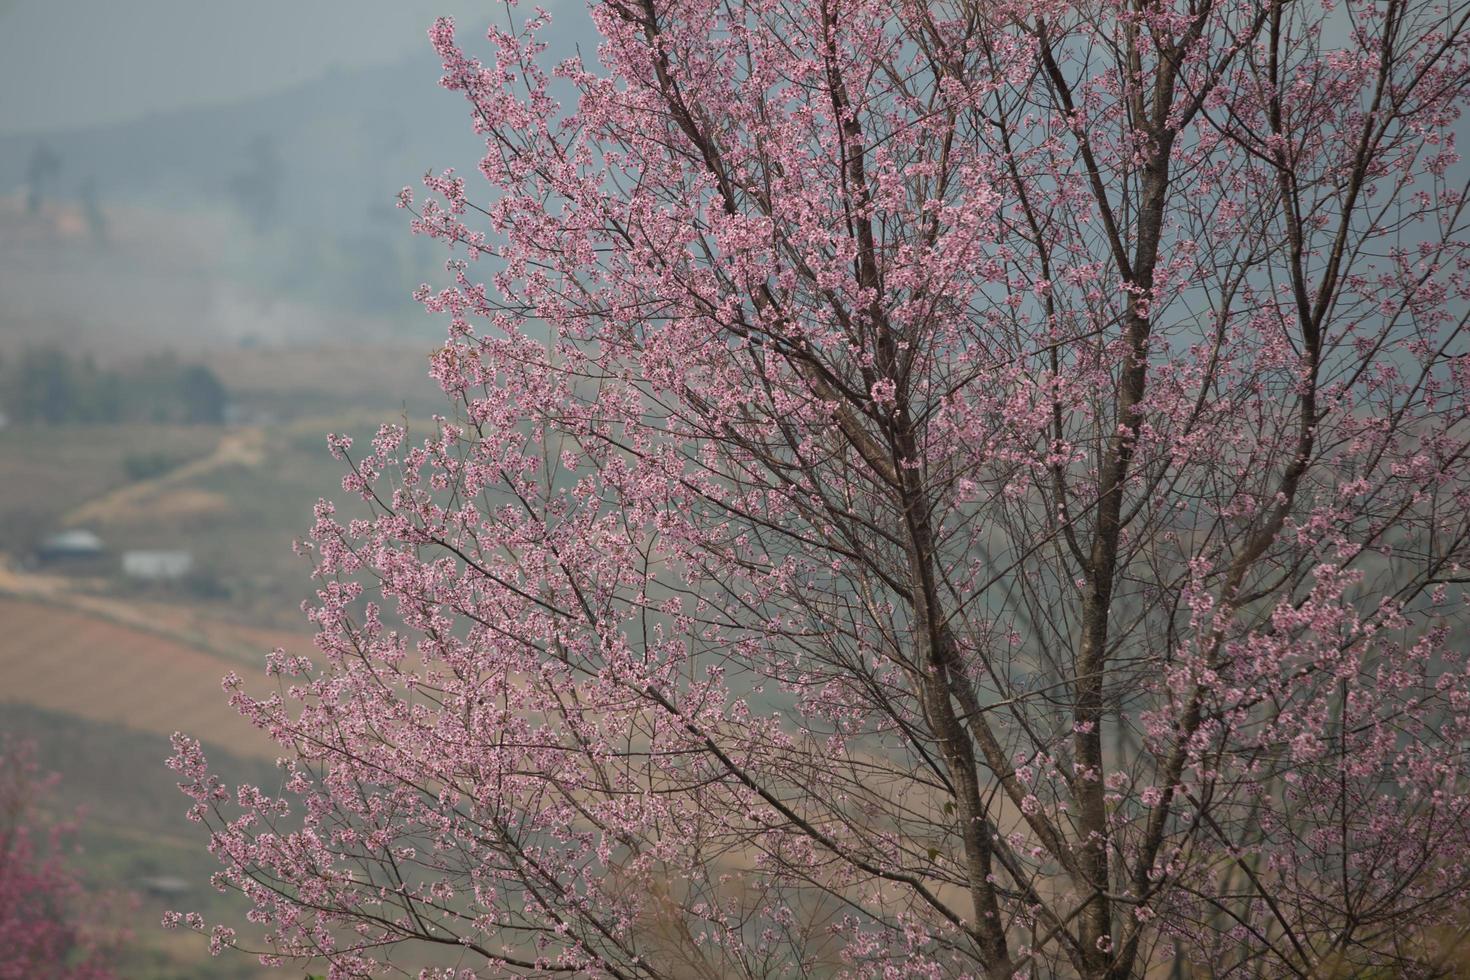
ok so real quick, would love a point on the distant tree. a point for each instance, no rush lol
(92, 211)
(47, 384)
(42, 168)
(937, 488)
(43, 383)
(202, 396)
(42, 929)
(96, 393)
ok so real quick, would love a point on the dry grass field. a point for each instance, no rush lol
(68, 661)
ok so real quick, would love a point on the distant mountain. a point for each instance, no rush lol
(282, 203)
(332, 152)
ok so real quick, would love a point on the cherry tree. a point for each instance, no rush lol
(955, 488)
(44, 930)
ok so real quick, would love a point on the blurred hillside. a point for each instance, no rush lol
(344, 143)
(259, 207)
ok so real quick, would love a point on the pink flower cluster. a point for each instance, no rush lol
(944, 490)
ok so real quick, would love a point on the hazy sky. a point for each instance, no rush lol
(67, 63)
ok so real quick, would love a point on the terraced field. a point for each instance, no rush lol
(64, 660)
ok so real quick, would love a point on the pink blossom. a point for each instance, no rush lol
(928, 491)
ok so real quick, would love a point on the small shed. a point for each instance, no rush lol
(72, 545)
(157, 566)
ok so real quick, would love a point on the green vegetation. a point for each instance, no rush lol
(46, 384)
(147, 465)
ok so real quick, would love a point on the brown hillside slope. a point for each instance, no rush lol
(64, 660)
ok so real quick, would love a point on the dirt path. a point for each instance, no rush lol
(238, 447)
